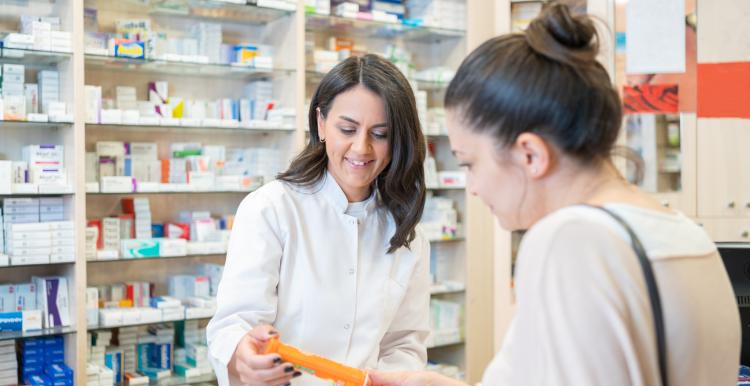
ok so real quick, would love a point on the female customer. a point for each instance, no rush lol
(533, 117)
(328, 255)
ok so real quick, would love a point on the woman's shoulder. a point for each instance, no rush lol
(662, 234)
(271, 195)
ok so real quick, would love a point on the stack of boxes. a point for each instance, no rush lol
(319, 7)
(92, 307)
(171, 308)
(132, 235)
(40, 243)
(448, 14)
(393, 8)
(127, 339)
(20, 307)
(160, 108)
(259, 96)
(155, 352)
(446, 319)
(39, 102)
(99, 342)
(45, 34)
(113, 360)
(213, 272)
(8, 363)
(14, 100)
(29, 241)
(49, 91)
(440, 218)
(43, 362)
(18, 41)
(209, 40)
(46, 166)
(140, 209)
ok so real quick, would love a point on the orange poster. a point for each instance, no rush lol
(724, 90)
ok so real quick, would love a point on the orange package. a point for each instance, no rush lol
(318, 366)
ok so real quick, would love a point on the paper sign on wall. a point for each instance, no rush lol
(656, 36)
(724, 90)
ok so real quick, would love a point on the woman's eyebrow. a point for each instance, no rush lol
(354, 121)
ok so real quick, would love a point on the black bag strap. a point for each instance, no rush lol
(653, 292)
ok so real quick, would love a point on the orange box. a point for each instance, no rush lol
(318, 366)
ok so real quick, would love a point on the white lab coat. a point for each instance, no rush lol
(323, 279)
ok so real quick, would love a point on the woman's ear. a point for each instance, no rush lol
(534, 155)
(321, 126)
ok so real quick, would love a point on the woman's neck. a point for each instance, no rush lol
(598, 185)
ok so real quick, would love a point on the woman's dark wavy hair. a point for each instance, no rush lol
(400, 186)
(545, 81)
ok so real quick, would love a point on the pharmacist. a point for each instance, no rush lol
(328, 256)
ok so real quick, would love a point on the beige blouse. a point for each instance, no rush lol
(583, 312)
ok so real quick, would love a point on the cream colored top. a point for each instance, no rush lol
(584, 315)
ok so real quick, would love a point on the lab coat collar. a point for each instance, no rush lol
(336, 196)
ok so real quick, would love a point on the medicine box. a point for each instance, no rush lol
(7, 298)
(26, 296)
(54, 298)
(137, 248)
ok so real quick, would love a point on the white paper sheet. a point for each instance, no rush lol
(655, 36)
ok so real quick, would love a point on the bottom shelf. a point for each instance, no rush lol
(178, 381)
(445, 344)
(9, 335)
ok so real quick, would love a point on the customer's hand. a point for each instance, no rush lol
(252, 367)
(411, 378)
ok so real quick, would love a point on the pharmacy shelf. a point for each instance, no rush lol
(192, 129)
(427, 85)
(34, 195)
(26, 125)
(446, 344)
(33, 58)
(376, 29)
(313, 76)
(202, 10)
(155, 258)
(179, 381)
(11, 335)
(100, 328)
(440, 289)
(24, 3)
(448, 239)
(170, 67)
(25, 266)
(172, 193)
(446, 188)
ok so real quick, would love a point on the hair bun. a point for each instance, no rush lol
(563, 37)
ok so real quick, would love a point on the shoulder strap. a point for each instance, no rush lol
(653, 292)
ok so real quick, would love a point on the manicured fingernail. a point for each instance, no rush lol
(296, 374)
(289, 369)
(277, 360)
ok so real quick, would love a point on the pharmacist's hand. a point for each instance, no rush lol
(255, 369)
(411, 378)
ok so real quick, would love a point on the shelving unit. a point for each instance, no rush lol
(286, 30)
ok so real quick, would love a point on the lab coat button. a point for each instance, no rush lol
(351, 271)
(347, 326)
